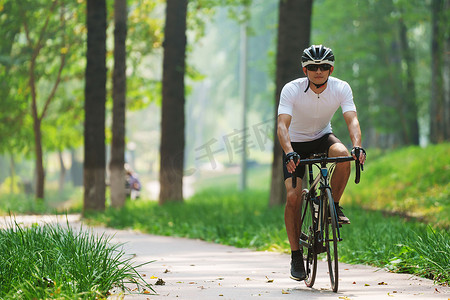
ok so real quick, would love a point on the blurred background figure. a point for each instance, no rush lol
(132, 183)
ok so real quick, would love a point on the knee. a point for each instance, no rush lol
(292, 199)
(337, 150)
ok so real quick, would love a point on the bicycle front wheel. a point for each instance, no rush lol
(307, 239)
(331, 241)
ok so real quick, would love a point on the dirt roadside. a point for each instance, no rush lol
(193, 269)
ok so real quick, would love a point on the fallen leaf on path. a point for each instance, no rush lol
(344, 297)
(153, 277)
(366, 284)
(354, 282)
(284, 292)
(146, 292)
(382, 283)
(248, 279)
(160, 282)
(269, 280)
(166, 271)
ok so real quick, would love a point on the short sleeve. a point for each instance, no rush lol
(347, 103)
(287, 99)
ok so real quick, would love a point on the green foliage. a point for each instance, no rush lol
(366, 39)
(52, 262)
(56, 202)
(413, 181)
(144, 42)
(10, 185)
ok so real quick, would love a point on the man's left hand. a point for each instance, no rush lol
(359, 151)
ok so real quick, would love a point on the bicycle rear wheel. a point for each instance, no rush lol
(331, 241)
(307, 239)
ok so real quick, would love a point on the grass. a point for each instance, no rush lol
(54, 202)
(241, 219)
(413, 181)
(396, 244)
(51, 262)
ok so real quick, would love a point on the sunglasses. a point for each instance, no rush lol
(314, 68)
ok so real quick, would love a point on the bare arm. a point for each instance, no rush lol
(284, 121)
(354, 130)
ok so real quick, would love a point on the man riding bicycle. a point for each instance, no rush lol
(304, 127)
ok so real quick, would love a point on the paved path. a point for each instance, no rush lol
(193, 269)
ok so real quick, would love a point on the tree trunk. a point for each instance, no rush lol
(446, 72)
(117, 177)
(36, 46)
(76, 169)
(12, 172)
(437, 89)
(409, 105)
(95, 98)
(62, 175)
(294, 27)
(172, 123)
(39, 166)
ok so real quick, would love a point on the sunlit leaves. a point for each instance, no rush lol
(368, 36)
(27, 34)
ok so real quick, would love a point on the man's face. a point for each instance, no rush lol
(318, 74)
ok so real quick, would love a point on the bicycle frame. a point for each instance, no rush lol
(321, 233)
(321, 182)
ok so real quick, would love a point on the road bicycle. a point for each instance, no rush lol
(319, 221)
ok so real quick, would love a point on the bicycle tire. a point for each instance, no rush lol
(308, 231)
(331, 241)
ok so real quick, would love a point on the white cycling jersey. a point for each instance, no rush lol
(311, 113)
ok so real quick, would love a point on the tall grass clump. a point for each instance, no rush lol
(433, 249)
(396, 244)
(52, 262)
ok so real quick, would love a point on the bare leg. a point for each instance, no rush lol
(292, 213)
(341, 172)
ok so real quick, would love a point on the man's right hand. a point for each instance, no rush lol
(291, 161)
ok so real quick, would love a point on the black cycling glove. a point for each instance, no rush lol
(292, 156)
(357, 151)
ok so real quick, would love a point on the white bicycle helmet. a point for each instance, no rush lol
(317, 55)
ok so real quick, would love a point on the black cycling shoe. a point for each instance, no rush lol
(341, 217)
(298, 269)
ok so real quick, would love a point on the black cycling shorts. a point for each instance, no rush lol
(306, 149)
